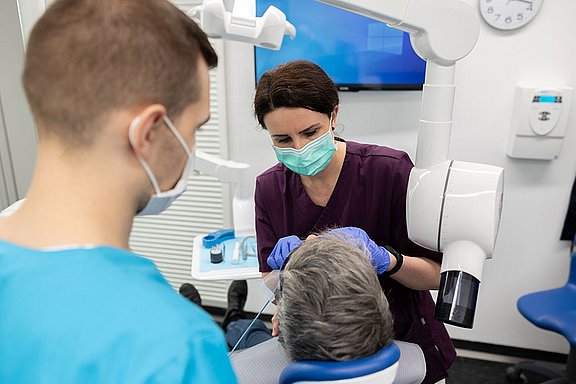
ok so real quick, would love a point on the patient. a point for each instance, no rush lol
(330, 303)
(330, 307)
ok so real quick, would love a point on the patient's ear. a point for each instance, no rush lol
(275, 325)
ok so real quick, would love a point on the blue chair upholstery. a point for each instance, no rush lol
(554, 310)
(345, 371)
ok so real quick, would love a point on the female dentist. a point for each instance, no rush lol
(323, 181)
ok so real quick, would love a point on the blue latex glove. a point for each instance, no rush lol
(282, 249)
(380, 256)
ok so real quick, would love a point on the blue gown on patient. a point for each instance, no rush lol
(100, 315)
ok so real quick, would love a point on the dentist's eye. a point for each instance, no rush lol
(311, 133)
(285, 140)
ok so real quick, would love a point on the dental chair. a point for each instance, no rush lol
(554, 310)
(398, 363)
(378, 368)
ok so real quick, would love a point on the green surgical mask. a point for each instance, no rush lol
(311, 159)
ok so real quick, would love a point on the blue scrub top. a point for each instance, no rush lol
(101, 315)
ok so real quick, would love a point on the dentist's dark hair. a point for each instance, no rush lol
(296, 84)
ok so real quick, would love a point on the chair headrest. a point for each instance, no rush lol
(307, 370)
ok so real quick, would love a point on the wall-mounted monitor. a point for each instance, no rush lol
(357, 52)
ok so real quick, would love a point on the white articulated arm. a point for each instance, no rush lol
(451, 206)
(240, 23)
(236, 20)
(238, 174)
(441, 31)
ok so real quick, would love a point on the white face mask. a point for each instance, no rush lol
(159, 201)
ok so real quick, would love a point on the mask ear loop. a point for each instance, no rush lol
(178, 135)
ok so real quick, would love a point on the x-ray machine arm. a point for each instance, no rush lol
(452, 206)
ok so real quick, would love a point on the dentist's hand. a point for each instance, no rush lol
(281, 251)
(380, 256)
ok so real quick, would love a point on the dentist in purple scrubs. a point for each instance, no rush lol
(323, 181)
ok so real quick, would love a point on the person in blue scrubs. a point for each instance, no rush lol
(118, 89)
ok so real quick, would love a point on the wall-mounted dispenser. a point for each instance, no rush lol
(539, 122)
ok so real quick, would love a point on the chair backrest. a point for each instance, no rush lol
(380, 368)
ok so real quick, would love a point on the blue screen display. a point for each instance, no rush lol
(356, 52)
(547, 99)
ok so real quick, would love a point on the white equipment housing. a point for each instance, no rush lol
(241, 23)
(237, 174)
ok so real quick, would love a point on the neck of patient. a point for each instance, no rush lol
(75, 198)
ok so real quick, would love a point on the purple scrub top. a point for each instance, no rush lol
(370, 194)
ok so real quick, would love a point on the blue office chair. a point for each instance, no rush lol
(380, 368)
(554, 310)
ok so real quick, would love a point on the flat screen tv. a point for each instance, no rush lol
(358, 53)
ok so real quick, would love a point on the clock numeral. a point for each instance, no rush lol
(507, 14)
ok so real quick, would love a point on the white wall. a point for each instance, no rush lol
(528, 256)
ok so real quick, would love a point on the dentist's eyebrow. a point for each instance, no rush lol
(313, 126)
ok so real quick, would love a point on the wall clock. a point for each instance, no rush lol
(509, 14)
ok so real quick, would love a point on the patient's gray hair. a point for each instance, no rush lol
(332, 306)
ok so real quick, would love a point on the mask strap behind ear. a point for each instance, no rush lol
(177, 134)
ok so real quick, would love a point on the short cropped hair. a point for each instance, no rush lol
(296, 84)
(332, 306)
(87, 58)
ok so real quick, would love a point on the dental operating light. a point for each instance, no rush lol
(237, 20)
(452, 206)
(238, 175)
